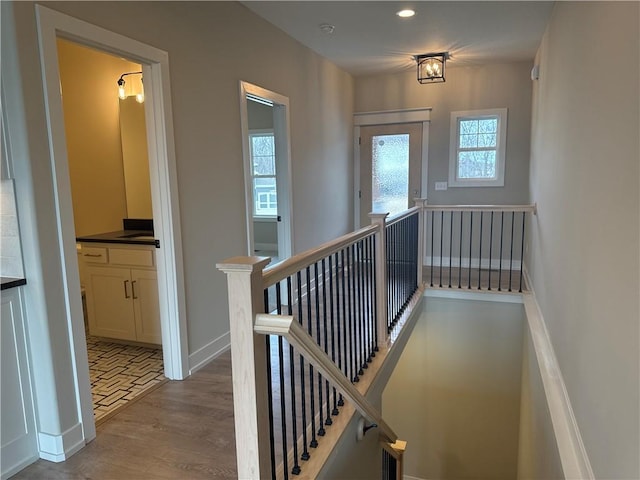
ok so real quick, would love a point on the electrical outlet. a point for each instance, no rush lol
(441, 185)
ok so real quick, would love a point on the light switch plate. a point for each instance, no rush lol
(441, 185)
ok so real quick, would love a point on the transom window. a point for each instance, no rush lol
(478, 140)
(263, 161)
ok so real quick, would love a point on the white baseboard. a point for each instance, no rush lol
(573, 456)
(204, 355)
(474, 294)
(58, 448)
(409, 477)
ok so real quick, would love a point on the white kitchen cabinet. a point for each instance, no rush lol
(122, 292)
(17, 418)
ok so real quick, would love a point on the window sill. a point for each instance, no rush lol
(266, 219)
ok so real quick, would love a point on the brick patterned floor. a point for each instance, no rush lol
(120, 372)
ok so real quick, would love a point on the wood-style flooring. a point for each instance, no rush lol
(181, 430)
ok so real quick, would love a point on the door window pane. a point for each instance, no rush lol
(390, 173)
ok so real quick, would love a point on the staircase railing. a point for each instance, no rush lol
(476, 246)
(305, 331)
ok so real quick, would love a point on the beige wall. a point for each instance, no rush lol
(91, 114)
(466, 88)
(455, 394)
(211, 47)
(584, 258)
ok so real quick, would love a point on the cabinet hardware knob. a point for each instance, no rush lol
(133, 289)
(126, 292)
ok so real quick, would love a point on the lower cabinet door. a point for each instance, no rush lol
(19, 438)
(109, 303)
(146, 306)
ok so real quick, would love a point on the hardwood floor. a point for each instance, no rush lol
(181, 430)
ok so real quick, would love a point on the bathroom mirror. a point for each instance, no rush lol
(135, 158)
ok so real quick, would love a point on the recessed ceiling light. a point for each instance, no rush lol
(406, 13)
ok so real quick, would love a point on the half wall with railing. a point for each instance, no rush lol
(306, 331)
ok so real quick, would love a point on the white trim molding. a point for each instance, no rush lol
(571, 450)
(500, 149)
(57, 448)
(410, 115)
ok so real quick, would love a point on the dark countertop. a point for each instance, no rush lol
(121, 236)
(9, 282)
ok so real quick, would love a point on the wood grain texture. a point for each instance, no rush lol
(183, 429)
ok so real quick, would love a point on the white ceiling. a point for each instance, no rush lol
(369, 38)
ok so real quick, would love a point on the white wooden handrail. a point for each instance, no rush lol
(296, 263)
(399, 216)
(483, 208)
(287, 327)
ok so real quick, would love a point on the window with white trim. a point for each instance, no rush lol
(477, 149)
(263, 173)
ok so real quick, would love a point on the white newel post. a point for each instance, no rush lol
(248, 365)
(381, 277)
(420, 203)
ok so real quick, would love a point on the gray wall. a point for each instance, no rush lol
(538, 457)
(240, 46)
(466, 88)
(584, 256)
(455, 394)
(211, 47)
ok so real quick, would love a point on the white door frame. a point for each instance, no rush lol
(164, 192)
(283, 165)
(387, 117)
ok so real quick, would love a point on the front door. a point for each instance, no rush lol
(390, 168)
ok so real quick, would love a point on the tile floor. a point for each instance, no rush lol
(120, 373)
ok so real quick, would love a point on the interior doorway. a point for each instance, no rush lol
(111, 190)
(266, 152)
(163, 181)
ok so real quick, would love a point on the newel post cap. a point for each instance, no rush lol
(243, 264)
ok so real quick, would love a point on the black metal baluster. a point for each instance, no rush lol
(490, 247)
(283, 409)
(352, 361)
(432, 262)
(344, 325)
(335, 326)
(294, 417)
(272, 443)
(522, 251)
(450, 243)
(480, 254)
(360, 280)
(314, 440)
(470, 243)
(321, 431)
(501, 239)
(375, 289)
(441, 244)
(372, 295)
(513, 217)
(305, 452)
(328, 420)
(460, 254)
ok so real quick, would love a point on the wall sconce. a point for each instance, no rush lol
(431, 67)
(121, 91)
